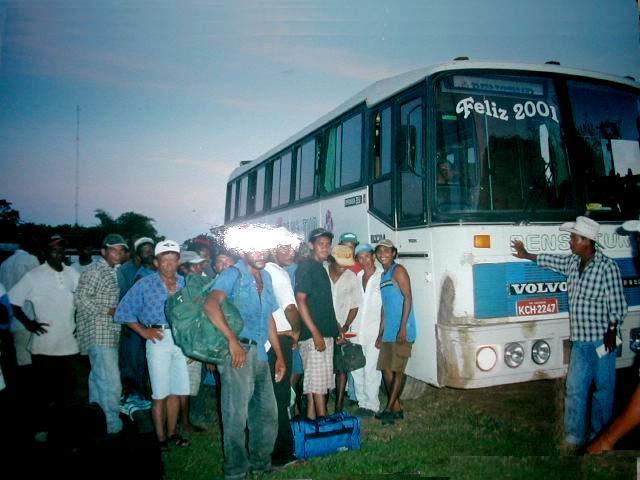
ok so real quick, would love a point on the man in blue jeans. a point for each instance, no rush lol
(596, 309)
(247, 387)
(96, 299)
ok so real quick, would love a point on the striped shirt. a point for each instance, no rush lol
(97, 292)
(596, 297)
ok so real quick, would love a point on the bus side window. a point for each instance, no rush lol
(411, 201)
(305, 169)
(340, 155)
(381, 191)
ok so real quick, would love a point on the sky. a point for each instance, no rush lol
(174, 94)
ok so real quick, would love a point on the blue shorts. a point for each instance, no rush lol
(167, 368)
(296, 363)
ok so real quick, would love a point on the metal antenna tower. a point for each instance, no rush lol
(77, 160)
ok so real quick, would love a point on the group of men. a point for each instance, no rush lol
(285, 312)
(52, 313)
(291, 309)
(288, 309)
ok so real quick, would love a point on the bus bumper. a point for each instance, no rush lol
(475, 356)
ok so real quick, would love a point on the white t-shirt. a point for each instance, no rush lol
(345, 293)
(14, 267)
(283, 291)
(51, 294)
(367, 322)
(11, 271)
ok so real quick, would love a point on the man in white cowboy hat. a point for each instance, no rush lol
(596, 309)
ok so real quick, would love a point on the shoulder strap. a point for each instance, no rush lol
(206, 288)
(235, 284)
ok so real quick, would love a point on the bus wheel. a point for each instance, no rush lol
(413, 388)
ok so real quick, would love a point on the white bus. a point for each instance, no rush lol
(451, 163)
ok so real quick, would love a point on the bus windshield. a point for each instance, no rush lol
(499, 145)
(607, 131)
(502, 147)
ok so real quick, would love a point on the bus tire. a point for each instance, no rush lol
(413, 388)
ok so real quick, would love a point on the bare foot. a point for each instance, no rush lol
(599, 445)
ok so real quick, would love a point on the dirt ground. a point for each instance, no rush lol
(544, 399)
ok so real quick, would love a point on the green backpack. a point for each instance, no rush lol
(192, 330)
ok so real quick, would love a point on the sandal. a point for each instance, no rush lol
(386, 417)
(164, 445)
(179, 441)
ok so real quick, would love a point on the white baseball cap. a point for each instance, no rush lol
(189, 256)
(142, 241)
(631, 225)
(583, 226)
(166, 246)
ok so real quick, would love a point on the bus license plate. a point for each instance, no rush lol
(540, 306)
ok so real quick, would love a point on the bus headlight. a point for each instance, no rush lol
(486, 358)
(513, 355)
(540, 352)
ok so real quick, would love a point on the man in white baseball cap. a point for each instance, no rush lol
(142, 310)
(596, 309)
(630, 418)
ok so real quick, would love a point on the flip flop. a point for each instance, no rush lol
(179, 441)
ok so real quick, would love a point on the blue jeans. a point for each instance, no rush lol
(585, 367)
(247, 401)
(105, 388)
(133, 363)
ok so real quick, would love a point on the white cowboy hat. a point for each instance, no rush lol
(583, 226)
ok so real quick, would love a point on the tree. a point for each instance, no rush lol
(9, 221)
(106, 220)
(129, 224)
(132, 223)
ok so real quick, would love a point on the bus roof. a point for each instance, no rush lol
(386, 88)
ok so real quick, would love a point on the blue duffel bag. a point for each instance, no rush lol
(334, 433)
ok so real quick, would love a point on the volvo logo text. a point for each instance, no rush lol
(538, 287)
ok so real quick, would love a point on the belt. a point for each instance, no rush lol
(247, 341)
(164, 326)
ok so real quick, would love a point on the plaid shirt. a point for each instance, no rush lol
(596, 297)
(97, 292)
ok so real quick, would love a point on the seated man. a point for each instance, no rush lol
(446, 175)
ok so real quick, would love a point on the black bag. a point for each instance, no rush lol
(76, 425)
(348, 357)
(192, 330)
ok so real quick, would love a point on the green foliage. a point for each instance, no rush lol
(129, 225)
(9, 221)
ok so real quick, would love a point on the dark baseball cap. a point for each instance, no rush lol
(113, 239)
(56, 240)
(320, 232)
